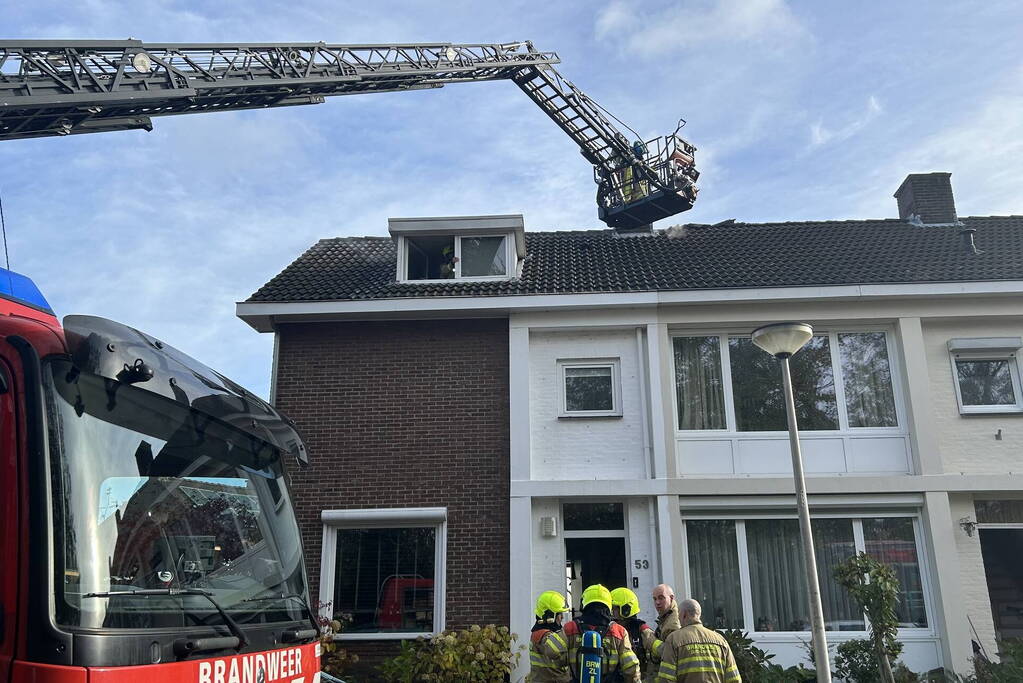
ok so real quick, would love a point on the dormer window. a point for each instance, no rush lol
(461, 248)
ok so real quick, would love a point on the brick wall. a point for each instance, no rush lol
(407, 414)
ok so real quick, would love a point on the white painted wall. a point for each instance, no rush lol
(976, 604)
(584, 448)
(920, 654)
(968, 443)
(548, 560)
(640, 537)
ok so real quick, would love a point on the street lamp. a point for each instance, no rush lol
(781, 340)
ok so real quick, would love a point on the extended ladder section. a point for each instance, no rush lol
(69, 87)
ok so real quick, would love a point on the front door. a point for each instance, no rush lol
(1002, 550)
(593, 560)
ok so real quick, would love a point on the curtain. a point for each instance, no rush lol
(866, 372)
(777, 577)
(698, 383)
(833, 544)
(778, 574)
(714, 572)
(892, 540)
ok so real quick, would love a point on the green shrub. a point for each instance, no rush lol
(473, 655)
(1008, 670)
(755, 665)
(875, 588)
(856, 662)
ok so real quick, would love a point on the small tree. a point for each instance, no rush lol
(875, 589)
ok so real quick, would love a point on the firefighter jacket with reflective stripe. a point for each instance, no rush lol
(668, 622)
(644, 643)
(695, 654)
(618, 655)
(547, 657)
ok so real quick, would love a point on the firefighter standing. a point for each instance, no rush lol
(625, 609)
(618, 662)
(547, 646)
(667, 611)
(695, 654)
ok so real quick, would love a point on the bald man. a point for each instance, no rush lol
(695, 654)
(667, 611)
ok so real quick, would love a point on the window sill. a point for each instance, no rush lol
(384, 636)
(990, 410)
(593, 416)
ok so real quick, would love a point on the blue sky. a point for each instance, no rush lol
(800, 110)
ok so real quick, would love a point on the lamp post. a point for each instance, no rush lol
(781, 340)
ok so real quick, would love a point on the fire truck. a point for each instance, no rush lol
(147, 529)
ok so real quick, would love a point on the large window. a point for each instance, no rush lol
(841, 380)
(749, 573)
(447, 257)
(383, 571)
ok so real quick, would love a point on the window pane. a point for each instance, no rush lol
(778, 576)
(430, 258)
(867, 375)
(483, 256)
(999, 511)
(985, 382)
(757, 387)
(588, 389)
(891, 540)
(833, 544)
(591, 516)
(384, 579)
(714, 572)
(698, 384)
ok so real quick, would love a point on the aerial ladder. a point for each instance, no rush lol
(68, 87)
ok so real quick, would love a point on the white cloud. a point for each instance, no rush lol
(689, 26)
(820, 135)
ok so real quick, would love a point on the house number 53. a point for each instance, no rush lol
(642, 564)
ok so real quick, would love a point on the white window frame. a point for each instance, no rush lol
(615, 364)
(844, 428)
(385, 518)
(509, 259)
(989, 354)
(856, 517)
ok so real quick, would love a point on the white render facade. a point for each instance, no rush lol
(903, 485)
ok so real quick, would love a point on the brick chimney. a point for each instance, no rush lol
(928, 196)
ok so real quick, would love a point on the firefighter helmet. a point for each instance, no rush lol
(597, 593)
(549, 604)
(626, 602)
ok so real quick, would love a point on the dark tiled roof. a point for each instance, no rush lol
(729, 255)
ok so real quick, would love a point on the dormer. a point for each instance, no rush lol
(458, 247)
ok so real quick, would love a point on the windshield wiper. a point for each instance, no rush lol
(232, 625)
(301, 635)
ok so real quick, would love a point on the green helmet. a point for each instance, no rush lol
(626, 602)
(597, 593)
(549, 604)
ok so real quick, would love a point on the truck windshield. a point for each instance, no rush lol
(151, 493)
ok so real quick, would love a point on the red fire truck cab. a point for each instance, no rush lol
(146, 529)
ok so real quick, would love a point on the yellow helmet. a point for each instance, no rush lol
(626, 602)
(597, 593)
(549, 604)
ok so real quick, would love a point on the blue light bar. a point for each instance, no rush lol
(21, 289)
